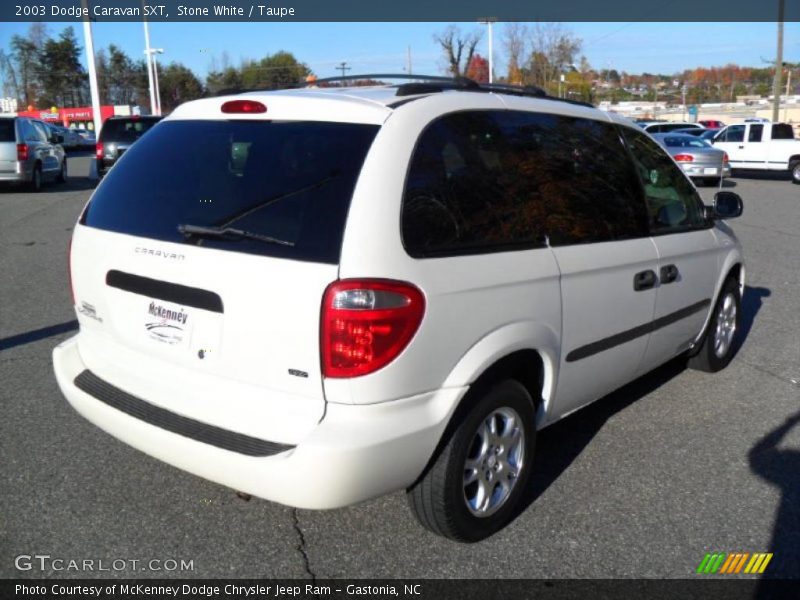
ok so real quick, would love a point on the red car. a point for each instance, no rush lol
(712, 124)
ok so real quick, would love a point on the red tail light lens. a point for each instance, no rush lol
(98, 150)
(22, 152)
(724, 157)
(684, 157)
(243, 106)
(366, 324)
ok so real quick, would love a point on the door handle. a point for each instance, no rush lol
(741, 147)
(669, 273)
(644, 280)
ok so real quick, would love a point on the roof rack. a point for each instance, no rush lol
(429, 84)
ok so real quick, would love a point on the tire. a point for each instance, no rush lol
(719, 340)
(35, 184)
(794, 171)
(62, 176)
(447, 505)
(711, 181)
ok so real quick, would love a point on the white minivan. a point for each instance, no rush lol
(319, 296)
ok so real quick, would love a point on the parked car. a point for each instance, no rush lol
(697, 157)
(116, 136)
(29, 153)
(712, 124)
(672, 126)
(761, 146)
(87, 137)
(71, 139)
(320, 296)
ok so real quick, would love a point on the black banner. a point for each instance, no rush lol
(398, 589)
(711, 11)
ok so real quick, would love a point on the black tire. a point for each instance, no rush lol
(711, 181)
(35, 184)
(439, 498)
(711, 357)
(62, 175)
(794, 171)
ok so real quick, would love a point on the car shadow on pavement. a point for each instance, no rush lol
(37, 334)
(560, 444)
(764, 175)
(781, 467)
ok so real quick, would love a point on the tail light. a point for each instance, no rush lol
(724, 157)
(684, 157)
(69, 270)
(98, 150)
(22, 152)
(366, 324)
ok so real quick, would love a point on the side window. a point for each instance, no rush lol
(782, 131)
(40, 132)
(673, 204)
(27, 131)
(734, 133)
(755, 133)
(493, 180)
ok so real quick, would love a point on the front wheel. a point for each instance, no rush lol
(794, 171)
(474, 484)
(62, 176)
(717, 347)
(35, 184)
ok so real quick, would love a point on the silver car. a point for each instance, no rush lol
(29, 153)
(696, 156)
(71, 138)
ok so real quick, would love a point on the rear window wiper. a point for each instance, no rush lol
(229, 232)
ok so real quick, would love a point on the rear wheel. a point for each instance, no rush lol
(36, 179)
(474, 484)
(717, 347)
(62, 176)
(711, 181)
(794, 170)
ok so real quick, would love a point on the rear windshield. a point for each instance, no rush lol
(684, 142)
(289, 180)
(7, 130)
(125, 130)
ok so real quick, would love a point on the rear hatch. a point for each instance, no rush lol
(8, 146)
(220, 327)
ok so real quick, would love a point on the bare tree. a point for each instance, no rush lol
(515, 44)
(554, 51)
(458, 48)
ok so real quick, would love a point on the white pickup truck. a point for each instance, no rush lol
(768, 146)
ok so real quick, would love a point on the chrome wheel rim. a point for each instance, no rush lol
(796, 173)
(725, 326)
(494, 461)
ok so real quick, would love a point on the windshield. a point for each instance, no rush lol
(289, 180)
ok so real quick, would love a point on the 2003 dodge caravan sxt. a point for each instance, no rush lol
(323, 295)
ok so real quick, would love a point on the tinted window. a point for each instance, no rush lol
(672, 201)
(287, 180)
(499, 180)
(734, 133)
(125, 130)
(7, 132)
(782, 131)
(754, 135)
(684, 142)
(41, 131)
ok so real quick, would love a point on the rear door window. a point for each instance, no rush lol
(491, 181)
(291, 181)
(755, 133)
(126, 130)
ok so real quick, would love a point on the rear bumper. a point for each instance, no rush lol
(19, 174)
(355, 453)
(695, 170)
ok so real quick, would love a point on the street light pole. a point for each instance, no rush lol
(149, 58)
(97, 117)
(776, 82)
(154, 52)
(489, 21)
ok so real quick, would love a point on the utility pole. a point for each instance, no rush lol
(408, 61)
(683, 94)
(489, 21)
(343, 68)
(149, 59)
(776, 82)
(95, 92)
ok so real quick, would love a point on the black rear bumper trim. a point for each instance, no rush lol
(160, 417)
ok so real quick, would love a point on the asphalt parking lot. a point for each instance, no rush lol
(640, 484)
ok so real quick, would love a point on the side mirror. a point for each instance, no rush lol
(727, 205)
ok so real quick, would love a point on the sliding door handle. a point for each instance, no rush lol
(669, 273)
(644, 280)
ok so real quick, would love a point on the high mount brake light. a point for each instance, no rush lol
(243, 107)
(366, 324)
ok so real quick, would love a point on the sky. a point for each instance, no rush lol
(382, 47)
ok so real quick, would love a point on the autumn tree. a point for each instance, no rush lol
(515, 43)
(478, 69)
(458, 48)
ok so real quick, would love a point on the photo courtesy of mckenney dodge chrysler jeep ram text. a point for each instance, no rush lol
(345, 292)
